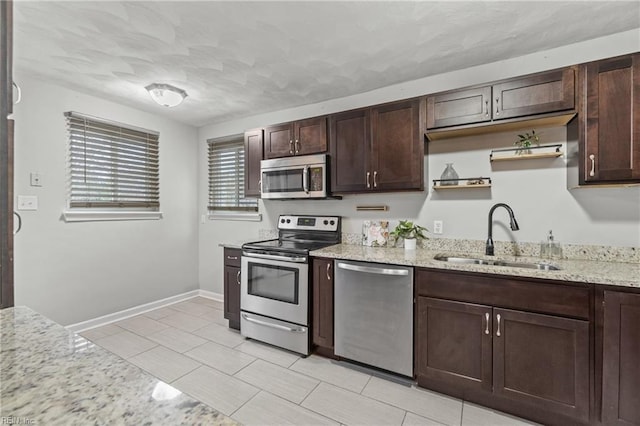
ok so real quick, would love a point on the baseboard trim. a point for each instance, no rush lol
(211, 295)
(137, 310)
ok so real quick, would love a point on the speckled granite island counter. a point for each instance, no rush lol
(587, 271)
(50, 376)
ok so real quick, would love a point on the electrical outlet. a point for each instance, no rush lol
(36, 179)
(437, 227)
(27, 202)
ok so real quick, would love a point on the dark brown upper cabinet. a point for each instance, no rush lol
(502, 105)
(609, 117)
(253, 154)
(378, 149)
(621, 375)
(302, 137)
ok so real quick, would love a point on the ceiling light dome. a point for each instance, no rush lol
(166, 94)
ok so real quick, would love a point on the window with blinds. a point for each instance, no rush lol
(112, 165)
(226, 177)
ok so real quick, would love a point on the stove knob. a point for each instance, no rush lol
(326, 222)
(281, 220)
(288, 220)
(333, 222)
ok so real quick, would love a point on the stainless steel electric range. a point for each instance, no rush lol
(275, 291)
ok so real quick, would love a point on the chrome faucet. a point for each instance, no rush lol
(514, 226)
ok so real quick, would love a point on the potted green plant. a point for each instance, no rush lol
(525, 142)
(409, 232)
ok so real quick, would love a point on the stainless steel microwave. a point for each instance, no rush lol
(303, 176)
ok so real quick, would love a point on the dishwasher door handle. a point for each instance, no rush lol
(370, 270)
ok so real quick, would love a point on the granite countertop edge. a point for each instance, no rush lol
(584, 271)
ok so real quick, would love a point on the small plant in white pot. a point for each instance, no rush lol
(410, 233)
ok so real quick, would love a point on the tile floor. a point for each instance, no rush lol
(189, 345)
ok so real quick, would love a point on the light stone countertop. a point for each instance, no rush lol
(586, 271)
(51, 376)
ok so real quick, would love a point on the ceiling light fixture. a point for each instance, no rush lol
(166, 94)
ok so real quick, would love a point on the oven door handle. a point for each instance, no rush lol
(296, 259)
(277, 326)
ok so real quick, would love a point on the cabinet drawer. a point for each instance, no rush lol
(533, 295)
(232, 257)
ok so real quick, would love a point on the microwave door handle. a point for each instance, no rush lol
(305, 179)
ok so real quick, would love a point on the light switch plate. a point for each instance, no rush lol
(27, 202)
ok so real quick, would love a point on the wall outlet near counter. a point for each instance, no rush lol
(437, 227)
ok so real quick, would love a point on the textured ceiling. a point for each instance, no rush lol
(241, 58)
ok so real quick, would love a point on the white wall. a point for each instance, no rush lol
(536, 190)
(73, 272)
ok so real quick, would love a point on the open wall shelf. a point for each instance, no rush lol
(510, 154)
(462, 183)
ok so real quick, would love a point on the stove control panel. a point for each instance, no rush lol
(313, 223)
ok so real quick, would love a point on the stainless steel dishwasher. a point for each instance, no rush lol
(374, 314)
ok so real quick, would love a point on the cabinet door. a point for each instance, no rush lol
(612, 140)
(453, 343)
(459, 107)
(253, 152)
(537, 94)
(349, 137)
(232, 296)
(278, 141)
(323, 303)
(397, 147)
(621, 359)
(542, 360)
(310, 136)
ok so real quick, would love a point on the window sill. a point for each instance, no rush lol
(251, 217)
(91, 216)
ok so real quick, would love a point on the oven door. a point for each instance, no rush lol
(275, 286)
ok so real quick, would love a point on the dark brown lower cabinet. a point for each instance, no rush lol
(232, 286)
(621, 359)
(531, 364)
(323, 306)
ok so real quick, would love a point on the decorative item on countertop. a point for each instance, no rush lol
(449, 176)
(375, 233)
(526, 141)
(410, 233)
(550, 249)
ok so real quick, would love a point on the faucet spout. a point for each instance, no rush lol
(489, 249)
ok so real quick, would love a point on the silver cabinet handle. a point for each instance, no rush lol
(277, 326)
(19, 223)
(370, 270)
(232, 257)
(486, 317)
(238, 277)
(593, 165)
(18, 93)
(368, 184)
(375, 179)
(260, 186)
(486, 108)
(291, 147)
(497, 106)
(328, 269)
(297, 146)
(498, 331)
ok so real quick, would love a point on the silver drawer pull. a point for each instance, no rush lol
(276, 326)
(498, 331)
(238, 278)
(486, 317)
(232, 257)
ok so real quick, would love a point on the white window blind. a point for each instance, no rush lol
(226, 177)
(112, 165)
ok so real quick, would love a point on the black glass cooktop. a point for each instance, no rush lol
(288, 245)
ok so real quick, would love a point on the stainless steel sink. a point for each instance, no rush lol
(476, 261)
